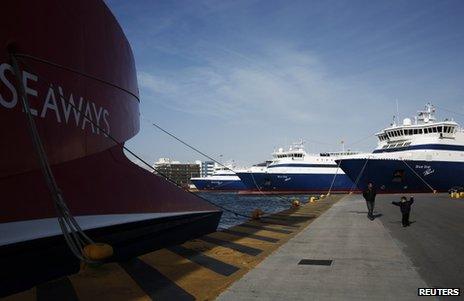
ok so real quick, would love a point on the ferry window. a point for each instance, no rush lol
(445, 129)
(416, 131)
(434, 130)
(411, 132)
(440, 129)
(420, 131)
(426, 131)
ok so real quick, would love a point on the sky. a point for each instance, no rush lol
(237, 79)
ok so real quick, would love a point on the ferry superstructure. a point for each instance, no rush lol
(420, 155)
(294, 170)
(222, 179)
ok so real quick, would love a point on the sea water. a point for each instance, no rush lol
(245, 204)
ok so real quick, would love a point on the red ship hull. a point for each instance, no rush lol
(76, 65)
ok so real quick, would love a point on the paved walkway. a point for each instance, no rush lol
(367, 263)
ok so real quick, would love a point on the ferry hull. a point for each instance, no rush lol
(394, 176)
(295, 182)
(26, 264)
(77, 70)
(218, 184)
(108, 188)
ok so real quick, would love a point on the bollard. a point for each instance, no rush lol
(256, 214)
(97, 251)
(296, 203)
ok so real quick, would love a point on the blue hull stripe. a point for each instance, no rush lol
(396, 176)
(218, 184)
(294, 182)
(303, 165)
(458, 148)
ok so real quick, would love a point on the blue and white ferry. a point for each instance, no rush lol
(223, 178)
(295, 171)
(420, 155)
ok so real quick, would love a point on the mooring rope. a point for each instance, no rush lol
(335, 176)
(423, 180)
(205, 155)
(359, 175)
(108, 135)
(75, 237)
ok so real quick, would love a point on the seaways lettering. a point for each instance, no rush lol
(63, 106)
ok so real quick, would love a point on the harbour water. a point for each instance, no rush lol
(245, 204)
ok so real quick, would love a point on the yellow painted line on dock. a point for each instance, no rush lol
(198, 268)
(107, 282)
(188, 275)
(249, 242)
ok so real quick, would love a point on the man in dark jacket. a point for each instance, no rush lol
(405, 207)
(369, 196)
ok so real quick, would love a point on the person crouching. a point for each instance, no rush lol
(405, 207)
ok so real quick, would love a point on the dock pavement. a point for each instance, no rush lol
(345, 256)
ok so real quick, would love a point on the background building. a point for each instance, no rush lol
(206, 168)
(177, 171)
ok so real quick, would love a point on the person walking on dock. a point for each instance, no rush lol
(369, 196)
(405, 207)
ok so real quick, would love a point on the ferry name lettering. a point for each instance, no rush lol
(429, 171)
(423, 166)
(55, 103)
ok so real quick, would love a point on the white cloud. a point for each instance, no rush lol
(284, 84)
